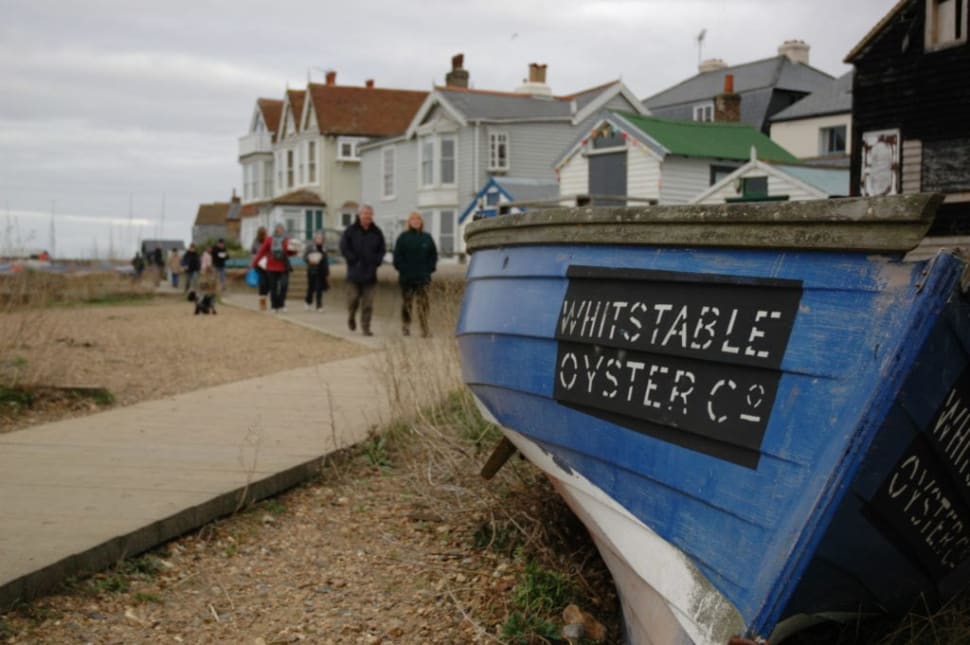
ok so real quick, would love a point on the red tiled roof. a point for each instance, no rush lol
(296, 106)
(212, 214)
(364, 111)
(300, 198)
(251, 209)
(271, 109)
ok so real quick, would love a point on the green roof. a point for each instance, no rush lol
(714, 140)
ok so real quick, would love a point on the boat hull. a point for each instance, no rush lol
(709, 446)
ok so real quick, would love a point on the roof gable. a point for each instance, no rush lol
(270, 109)
(875, 32)
(213, 214)
(834, 98)
(822, 183)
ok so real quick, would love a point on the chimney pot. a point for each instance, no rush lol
(729, 83)
(369, 83)
(537, 73)
(457, 61)
(331, 77)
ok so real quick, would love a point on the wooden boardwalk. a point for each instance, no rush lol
(80, 494)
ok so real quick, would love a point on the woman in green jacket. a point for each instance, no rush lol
(415, 258)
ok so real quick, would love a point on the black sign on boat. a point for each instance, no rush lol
(692, 359)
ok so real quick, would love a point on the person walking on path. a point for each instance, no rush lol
(362, 245)
(158, 265)
(219, 257)
(276, 250)
(174, 267)
(317, 271)
(260, 270)
(193, 264)
(138, 264)
(415, 258)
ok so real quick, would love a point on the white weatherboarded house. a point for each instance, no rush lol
(626, 157)
(460, 137)
(761, 181)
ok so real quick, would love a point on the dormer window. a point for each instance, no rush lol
(348, 148)
(704, 112)
(946, 23)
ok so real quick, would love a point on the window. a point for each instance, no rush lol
(754, 187)
(704, 112)
(720, 172)
(314, 222)
(247, 171)
(447, 176)
(279, 171)
(388, 172)
(446, 237)
(301, 154)
(348, 148)
(267, 179)
(289, 168)
(946, 23)
(346, 218)
(427, 161)
(498, 151)
(832, 141)
(311, 161)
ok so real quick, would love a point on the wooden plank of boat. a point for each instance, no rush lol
(875, 224)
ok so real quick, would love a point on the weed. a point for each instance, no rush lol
(111, 583)
(376, 452)
(525, 630)
(147, 598)
(274, 506)
(500, 537)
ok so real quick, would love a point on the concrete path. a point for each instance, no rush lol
(80, 494)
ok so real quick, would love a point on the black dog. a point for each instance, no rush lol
(204, 305)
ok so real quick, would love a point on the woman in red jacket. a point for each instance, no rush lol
(276, 249)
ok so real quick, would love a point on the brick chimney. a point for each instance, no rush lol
(331, 77)
(727, 105)
(369, 83)
(458, 76)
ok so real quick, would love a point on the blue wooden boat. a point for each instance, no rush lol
(761, 412)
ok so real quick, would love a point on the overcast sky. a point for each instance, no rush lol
(118, 111)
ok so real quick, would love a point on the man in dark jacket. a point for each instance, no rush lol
(415, 258)
(193, 264)
(220, 255)
(362, 246)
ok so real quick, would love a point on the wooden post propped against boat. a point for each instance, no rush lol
(502, 453)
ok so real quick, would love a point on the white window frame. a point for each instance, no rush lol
(267, 185)
(932, 40)
(289, 155)
(388, 175)
(824, 137)
(426, 165)
(301, 162)
(354, 143)
(497, 140)
(440, 167)
(705, 112)
(311, 164)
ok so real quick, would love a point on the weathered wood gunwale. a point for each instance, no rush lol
(883, 224)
